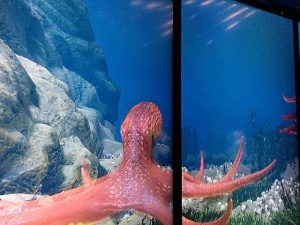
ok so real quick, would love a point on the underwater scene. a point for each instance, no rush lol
(85, 112)
(239, 134)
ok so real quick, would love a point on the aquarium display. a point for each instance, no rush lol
(85, 112)
(239, 135)
(136, 37)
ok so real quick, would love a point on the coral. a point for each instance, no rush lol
(282, 194)
(195, 187)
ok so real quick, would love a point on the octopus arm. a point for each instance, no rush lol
(221, 221)
(74, 205)
(292, 116)
(194, 188)
(236, 163)
(203, 190)
(200, 174)
(291, 130)
(289, 99)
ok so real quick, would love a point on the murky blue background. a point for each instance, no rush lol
(136, 37)
(235, 59)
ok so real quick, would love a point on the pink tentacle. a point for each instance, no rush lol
(85, 175)
(289, 99)
(292, 116)
(204, 190)
(236, 163)
(291, 130)
(200, 174)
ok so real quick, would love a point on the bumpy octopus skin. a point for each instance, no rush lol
(292, 129)
(137, 183)
(194, 187)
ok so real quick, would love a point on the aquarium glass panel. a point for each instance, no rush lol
(237, 85)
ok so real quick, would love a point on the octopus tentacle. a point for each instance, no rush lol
(200, 174)
(231, 173)
(85, 175)
(189, 177)
(137, 183)
(191, 187)
(292, 116)
(221, 221)
(292, 129)
(195, 189)
(289, 99)
(208, 189)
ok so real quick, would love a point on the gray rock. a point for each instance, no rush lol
(108, 165)
(96, 123)
(45, 137)
(111, 127)
(81, 91)
(57, 101)
(75, 154)
(55, 34)
(17, 198)
(17, 95)
(71, 127)
(111, 147)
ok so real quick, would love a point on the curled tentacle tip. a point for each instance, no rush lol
(273, 162)
(85, 175)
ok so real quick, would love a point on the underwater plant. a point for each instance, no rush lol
(287, 216)
(193, 187)
(138, 183)
(265, 141)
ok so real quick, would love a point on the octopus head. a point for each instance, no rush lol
(144, 119)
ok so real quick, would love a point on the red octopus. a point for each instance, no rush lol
(137, 183)
(292, 129)
(193, 187)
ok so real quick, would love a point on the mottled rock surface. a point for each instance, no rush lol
(57, 102)
(44, 137)
(58, 33)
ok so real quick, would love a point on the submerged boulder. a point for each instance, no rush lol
(45, 137)
(57, 102)
(58, 34)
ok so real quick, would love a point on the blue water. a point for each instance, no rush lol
(235, 59)
(136, 37)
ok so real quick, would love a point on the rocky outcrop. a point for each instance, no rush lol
(57, 102)
(17, 95)
(58, 34)
(44, 137)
